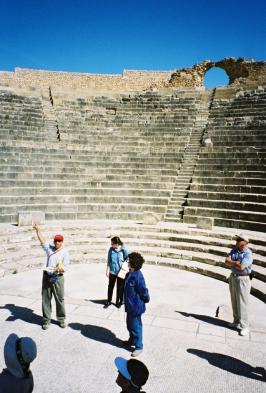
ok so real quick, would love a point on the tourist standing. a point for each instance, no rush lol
(18, 354)
(132, 375)
(117, 254)
(136, 295)
(56, 265)
(240, 260)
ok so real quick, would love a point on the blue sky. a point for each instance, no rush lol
(108, 36)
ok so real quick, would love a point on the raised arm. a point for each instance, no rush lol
(38, 233)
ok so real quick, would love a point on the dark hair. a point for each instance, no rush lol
(136, 260)
(117, 240)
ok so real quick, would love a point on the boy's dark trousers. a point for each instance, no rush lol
(48, 290)
(119, 288)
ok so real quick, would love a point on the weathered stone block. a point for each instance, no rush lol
(150, 218)
(27, 218)
(204, 222)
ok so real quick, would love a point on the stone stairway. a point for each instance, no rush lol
(50, 119)
(179, 196)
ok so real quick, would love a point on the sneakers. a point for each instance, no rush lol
(107, 304)
(62, 324)
(45, 326)
(244, 332)
(136, 353)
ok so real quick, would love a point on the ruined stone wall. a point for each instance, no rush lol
(241, 73)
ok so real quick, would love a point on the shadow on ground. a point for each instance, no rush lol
(24, 314)
(97, 333)
(97, 301)
(230, 364)
(207, 319)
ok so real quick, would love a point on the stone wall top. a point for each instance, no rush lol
(241, 72)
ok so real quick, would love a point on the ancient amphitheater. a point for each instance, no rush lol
(174, 168)
(123, 147)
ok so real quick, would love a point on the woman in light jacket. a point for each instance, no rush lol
(117, 254)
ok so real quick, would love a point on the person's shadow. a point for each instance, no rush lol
(23, 313)
(206, 318)
(97, 301)
(230, 364)
(97, 333)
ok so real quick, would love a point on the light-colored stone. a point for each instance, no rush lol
(204, 222)
(150, 218)
(27, 218)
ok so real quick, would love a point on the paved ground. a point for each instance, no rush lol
(186, 349)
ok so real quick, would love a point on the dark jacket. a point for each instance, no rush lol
(136, 293)
(10, 384)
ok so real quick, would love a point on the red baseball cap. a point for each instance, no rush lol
(60, 238)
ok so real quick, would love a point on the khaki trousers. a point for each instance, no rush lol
(239, 290)
(48, 290)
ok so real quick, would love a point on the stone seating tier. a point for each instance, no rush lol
(227, 196)
(126, 141)
(182, 247)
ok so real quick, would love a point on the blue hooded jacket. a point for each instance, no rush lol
(136, 293)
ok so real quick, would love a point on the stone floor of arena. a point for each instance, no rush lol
(186, 348)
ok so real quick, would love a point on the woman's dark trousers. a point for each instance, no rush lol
(119, 288)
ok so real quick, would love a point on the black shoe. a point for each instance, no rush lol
(118, 304)
(107, 304)
(126, 344)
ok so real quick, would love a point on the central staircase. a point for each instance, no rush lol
(183, 180)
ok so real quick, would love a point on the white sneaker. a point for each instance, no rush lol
(244, 332)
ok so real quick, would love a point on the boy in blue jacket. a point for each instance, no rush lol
(136, 294)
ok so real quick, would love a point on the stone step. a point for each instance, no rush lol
(226, 196)
(14, 170)
(228, 173)
(229, 180)
(138, 184)
(5, 201)
(229, 223)
(76, 177)
(173, 219)
(77, 191)
(227, 204)
(19, 165)
(232, 167)
(245, 189)
(225, 214)
(77, 156)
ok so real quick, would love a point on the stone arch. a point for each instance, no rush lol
(215, 77)
(235, 69)
(239, 71)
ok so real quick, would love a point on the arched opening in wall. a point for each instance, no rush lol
(215, 77)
